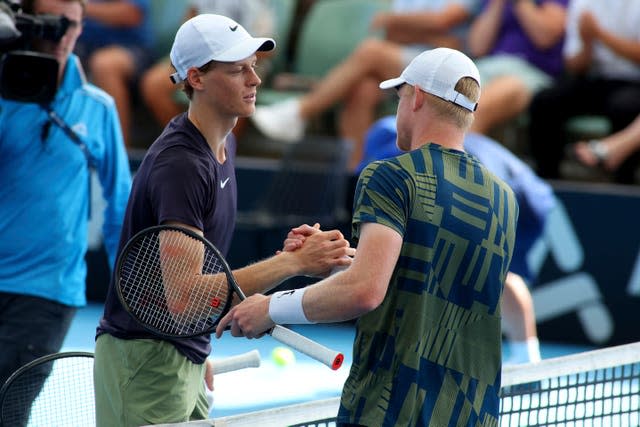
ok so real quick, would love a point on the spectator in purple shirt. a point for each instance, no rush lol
(518, 46)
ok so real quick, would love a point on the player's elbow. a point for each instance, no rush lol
(176, 306)
(368, 298)
(546, 40)
(366, 305)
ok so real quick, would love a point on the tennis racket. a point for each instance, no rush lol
(250, 359)
(53, 390)
(176, 284)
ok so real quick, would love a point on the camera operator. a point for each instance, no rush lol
(47, 153)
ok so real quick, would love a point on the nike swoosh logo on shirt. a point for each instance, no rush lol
(235, 27)
(224, 183)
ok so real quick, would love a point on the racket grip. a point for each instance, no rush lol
(250, 359)
(313, 349)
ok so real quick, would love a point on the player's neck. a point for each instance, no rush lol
(430, 126)
(214, 129)
(447, 136)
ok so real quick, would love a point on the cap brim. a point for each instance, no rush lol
(246, 49)
(388, 84)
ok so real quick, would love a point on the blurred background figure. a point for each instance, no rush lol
(161, 96)
(611, 152)
(116, 46)
(517, 45)
(535, 199)
(408, 28)
(602, 59)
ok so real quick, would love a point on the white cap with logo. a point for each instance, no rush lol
(209, 37)
(437, 71)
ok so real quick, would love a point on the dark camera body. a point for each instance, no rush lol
(27, 75)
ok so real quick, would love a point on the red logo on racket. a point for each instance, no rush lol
(215, 302)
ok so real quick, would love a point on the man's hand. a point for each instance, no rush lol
(380, 21)
(320, 252)
(208, 374)
(589, 28)
(250, 318)
(296, 237)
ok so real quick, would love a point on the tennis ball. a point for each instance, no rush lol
(283, 356)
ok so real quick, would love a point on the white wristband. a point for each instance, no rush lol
(285, 307)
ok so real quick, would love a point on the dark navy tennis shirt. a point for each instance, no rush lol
(180, 180)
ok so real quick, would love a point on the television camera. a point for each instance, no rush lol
(27, 75)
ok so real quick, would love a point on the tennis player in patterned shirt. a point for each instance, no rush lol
(435, 232)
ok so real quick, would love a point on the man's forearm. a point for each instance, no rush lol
(264, 275)
(626, 48)
(484, 30)
(117, 14)
(439, 22)
(544, 24)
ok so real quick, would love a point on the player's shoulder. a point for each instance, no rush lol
(181, 135)
(494, 179)
(386, 169)
(178, 147)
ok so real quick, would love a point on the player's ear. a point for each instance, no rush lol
(194, 77)
(419, 97)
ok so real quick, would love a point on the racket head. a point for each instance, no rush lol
(173, 282)
(56, 389)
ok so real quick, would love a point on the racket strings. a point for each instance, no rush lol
(56, 392)
(148, 261)
(201, 293)
(141, 273)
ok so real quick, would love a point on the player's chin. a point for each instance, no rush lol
(247, 110)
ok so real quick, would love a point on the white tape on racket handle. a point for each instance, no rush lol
(313, 349)
(250, 359)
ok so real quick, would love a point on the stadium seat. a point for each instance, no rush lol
(587, 127)
(166, 18)
(283, 11)
(332, 30)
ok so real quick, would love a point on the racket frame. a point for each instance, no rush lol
(223, 263)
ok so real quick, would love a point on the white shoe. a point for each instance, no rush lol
(280, 121)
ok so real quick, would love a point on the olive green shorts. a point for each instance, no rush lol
(142, 382)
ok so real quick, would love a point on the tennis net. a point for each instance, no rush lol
(599, 388)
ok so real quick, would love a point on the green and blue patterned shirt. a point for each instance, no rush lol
(430, 354)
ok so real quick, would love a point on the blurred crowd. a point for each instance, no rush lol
(560, 78)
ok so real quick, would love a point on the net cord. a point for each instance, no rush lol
(587, 361)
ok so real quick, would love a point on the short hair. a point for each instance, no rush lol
(187, 88)
(28, 6)
(454, 113)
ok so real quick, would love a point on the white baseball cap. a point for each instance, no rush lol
(208, 37)
(437, 71)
